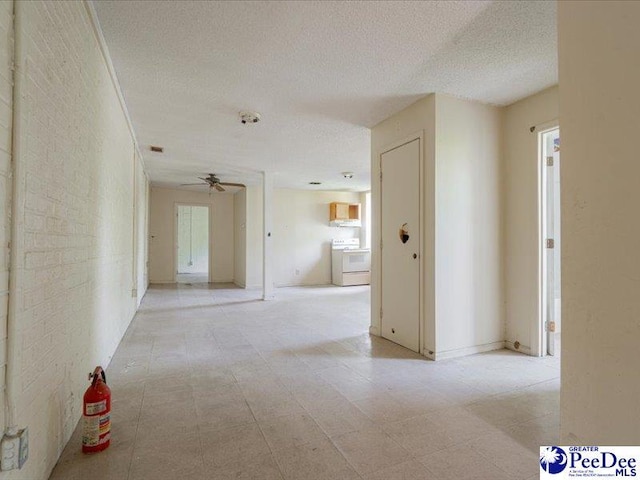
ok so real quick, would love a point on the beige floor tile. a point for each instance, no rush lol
(155, 398)
(422, 400)
(170, 415)
(461, 463)
(534, 433)
(273, 405)
(419, 435)
(200, 366)
(163, 466)
(314, 461)
(232, 446)
(349, 383)
(290, 431)
(260, 468)
(317, 396)
(342, 417)
(500, 411)
(159, 439)
(370, 450)
(98, 467)
(116, 456)
(513, 458)
(460, 424)
(409, 470)
(212, 415)
(383, 408)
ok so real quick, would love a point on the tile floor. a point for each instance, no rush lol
(212, 383)
(202, 277)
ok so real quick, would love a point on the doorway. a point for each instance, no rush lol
(401, 244)
(550, 242)
(192, 244)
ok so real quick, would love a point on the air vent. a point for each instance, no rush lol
(155, 148)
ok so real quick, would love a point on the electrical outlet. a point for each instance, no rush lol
(15, 450)
(10, 452)
(24, 447)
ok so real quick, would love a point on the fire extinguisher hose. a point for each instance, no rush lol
(97, 373)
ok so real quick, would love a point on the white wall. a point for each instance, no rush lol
(461, 222)
(141, 229)
(469, 301)
(6, 112)
(302, 235)
(520, 205)
(74, 248)
(417, 118)
(240, 237)
(162, 228)
(254, 247)
(599, 105)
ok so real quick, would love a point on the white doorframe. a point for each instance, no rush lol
(539, 328)
(175, 236)
(392, 146)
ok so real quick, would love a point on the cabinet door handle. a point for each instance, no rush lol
(415, 255)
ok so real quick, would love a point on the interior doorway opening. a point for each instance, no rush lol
(550, 242)
(192, 244)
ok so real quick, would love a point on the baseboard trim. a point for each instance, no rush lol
(426, 354)
(521, 349)
(463, 352)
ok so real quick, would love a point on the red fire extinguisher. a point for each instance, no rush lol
(96, 414)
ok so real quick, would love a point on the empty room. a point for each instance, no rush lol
(319, 240)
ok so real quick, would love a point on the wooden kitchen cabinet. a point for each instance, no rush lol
(344, 211)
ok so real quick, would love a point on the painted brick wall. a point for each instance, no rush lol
(6, 80)
(142, 229)
(75, 245)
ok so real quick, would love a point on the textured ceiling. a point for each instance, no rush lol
(320, 73)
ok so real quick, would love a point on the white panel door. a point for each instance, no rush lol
(400, 212)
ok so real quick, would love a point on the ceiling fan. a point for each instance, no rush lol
(212, 181)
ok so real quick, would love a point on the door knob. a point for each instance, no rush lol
(415, 255)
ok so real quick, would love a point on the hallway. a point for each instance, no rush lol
(213, 383)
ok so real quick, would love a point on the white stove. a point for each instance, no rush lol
(350, 264)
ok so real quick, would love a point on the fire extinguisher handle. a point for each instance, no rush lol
(98, 372)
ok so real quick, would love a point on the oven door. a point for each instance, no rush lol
(357, 261)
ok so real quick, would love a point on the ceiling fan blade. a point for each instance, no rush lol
(218, 187)
(233, 184)
(189, 184)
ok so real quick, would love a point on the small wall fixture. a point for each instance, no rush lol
(155, 148)
(347, 174)
(315, 183)
(249, 117)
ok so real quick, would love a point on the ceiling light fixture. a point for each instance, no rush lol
(249, 117)
(347, 174)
